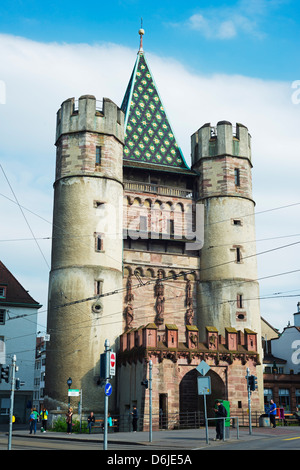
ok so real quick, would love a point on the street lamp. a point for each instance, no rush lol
(69, 382)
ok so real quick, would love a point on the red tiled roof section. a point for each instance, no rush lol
(14, 291)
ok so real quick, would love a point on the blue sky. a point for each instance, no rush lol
(259, 38)
(212, 61)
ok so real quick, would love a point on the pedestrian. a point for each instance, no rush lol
(109, 420)
(33, 420)
(69, 415)
(135, 417)
(220, 412)
(91, 421)
(297, 414)
(272, 413)
(44, 418)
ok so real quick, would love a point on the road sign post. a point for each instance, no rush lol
(112, 364)
(204, 388)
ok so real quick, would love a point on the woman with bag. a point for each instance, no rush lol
(69, 415)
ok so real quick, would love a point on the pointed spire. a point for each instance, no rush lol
(148, 134)
(141, 33)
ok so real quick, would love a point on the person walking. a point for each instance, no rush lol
(220, 412)
(135, 417)
(69, 415)
(44, 418)
(91, 421)
(272, 413)
(33, 420)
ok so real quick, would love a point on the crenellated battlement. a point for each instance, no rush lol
(221, 140)
(87, 117)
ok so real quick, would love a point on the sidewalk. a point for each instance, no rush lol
(185, 439)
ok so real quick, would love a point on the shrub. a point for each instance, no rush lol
(60, 425)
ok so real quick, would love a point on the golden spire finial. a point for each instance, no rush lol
(141, 33)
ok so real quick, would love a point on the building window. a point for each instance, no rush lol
(238, 254)
(98, 241)
(2, 316)
(239, 301)
(98, 155)
(298, 397)
(143, 223)
(284, 398)
(237, 176)
(2, 292)
(98, 287)
(237, 222)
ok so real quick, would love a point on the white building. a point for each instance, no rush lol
(39, 373)
(18, 326)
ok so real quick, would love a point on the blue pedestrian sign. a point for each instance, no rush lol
(108, 389)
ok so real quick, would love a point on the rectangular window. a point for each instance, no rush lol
(98, 241)
(237, 222)
(98, 287)
(238, 255)
(143, 223)
(284, 398)
(98, 155)
(2, 317)
(2, 292)
(237, 176)
(239, 301)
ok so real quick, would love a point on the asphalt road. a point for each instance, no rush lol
(167, 443)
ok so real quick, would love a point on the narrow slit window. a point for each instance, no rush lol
(239, 301)
(238, 255)
(237, 176)
(98, 242)
(98, 287)
(98, 155)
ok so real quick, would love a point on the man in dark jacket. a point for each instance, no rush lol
(91, 422)
(220, 412)
(135, 417)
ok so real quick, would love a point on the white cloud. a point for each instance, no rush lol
(38, 77)
(227, 22)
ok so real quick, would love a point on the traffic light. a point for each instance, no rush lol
(145, 383)
(17, 384)
(4, 373)
(252, 382)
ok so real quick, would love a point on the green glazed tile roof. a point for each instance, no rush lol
(148, 135)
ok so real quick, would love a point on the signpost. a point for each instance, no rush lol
(204, 388)
(112, 364)
(107, 370)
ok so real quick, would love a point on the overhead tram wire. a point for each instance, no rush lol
(173, 276)
(24, 216)
(212, 223)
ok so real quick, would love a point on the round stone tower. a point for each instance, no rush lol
(86, 249)
(228, 295)
(229, 291)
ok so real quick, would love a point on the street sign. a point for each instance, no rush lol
(112, 364)
(73, 392)
(203, 368)
(108, 389)
(204, 387)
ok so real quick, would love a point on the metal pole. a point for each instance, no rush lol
(205, 416)
(11, 411)
(80, 409)
(150, 401)
(107, 350)
(249, 400)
